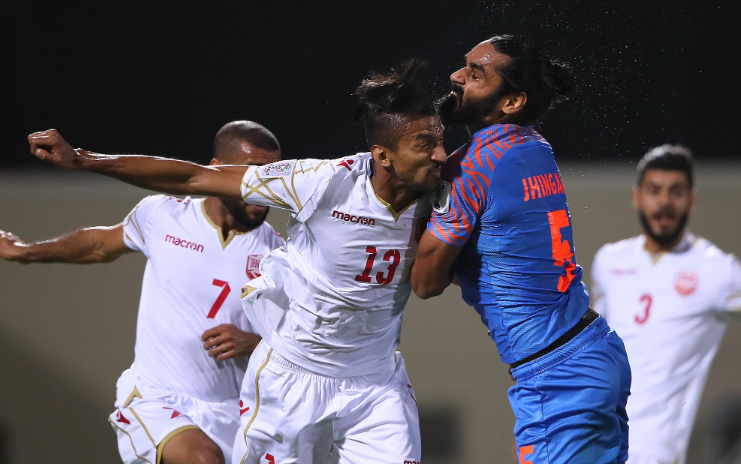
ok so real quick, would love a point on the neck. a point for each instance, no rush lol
(489, 121)
(391, 189)
(222, 218)
(652, 246)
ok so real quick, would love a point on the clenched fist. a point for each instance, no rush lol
(49, 146)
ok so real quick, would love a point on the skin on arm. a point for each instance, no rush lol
(226, 341)
(160, 174)
(84, 246)
(433, 267)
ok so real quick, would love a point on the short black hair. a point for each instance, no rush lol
(667, 158)
(529, 69)
(388, 102)
(232, 134)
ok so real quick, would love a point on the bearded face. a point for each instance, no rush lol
(250, 216)
(471, 111)
(663, 201)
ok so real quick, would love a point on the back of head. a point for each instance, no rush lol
(667, 158)
(230, 138)
(530, 70)
(389, 102)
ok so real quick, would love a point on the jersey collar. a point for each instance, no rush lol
(500, 131)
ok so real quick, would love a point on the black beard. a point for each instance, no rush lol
(236, 209)
(665, 239)
(453, 111)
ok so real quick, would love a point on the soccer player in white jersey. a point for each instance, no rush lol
(326, 384)
(668, 294)
(176, 404)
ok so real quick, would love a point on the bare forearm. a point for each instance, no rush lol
(159, 174)
(85, 246)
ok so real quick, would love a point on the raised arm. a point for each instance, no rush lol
(85, 246)
(158, 174)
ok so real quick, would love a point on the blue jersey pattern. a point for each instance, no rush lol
(508, 211)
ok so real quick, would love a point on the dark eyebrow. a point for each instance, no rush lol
(426, 136)
(477, 66)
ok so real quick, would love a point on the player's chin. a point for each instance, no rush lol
(429, 184)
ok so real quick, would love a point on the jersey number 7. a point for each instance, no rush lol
(562, 254)
(220, 299)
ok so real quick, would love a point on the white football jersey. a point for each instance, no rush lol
(670, 309)
(191, 283)
(331, 300)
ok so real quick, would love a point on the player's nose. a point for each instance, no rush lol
(457, 77)
(439, 155)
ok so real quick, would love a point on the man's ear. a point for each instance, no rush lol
(214, 161)
(514, 102)
(381, 155)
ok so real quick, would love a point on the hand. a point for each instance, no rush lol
(50, 146)
(226, 341)
(10, 245)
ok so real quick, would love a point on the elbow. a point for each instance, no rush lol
(426, 290)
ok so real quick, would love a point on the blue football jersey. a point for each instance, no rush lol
(507, 208)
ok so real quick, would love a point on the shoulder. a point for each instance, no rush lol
(705, 249)
(162, 202)
(621, 248)
(358, 164)
(324, 169)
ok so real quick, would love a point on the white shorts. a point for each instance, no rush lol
(144, 425)
(292, 415)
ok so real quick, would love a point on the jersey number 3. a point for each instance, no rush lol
(562, 254)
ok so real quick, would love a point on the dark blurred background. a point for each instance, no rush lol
(161, 78)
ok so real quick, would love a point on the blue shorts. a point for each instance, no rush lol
(570, 404)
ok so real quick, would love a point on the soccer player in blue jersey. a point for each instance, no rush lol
(501, 226)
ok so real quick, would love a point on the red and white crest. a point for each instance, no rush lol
(686, 283)
(253, 266)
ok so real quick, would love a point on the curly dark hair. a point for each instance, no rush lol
(388, 102)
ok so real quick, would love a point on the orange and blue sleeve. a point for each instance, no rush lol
(469, 177)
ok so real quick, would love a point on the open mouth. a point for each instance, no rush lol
(665, 219)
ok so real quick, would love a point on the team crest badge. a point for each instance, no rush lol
(278, 169)
(686, 283)
(441, 197)
(253, 266)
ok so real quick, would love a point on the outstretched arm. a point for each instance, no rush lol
(159, 174)
(85, 246)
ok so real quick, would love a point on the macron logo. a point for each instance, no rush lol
(184, 243)
(353, 219)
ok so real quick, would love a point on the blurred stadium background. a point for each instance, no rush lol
(161, 79)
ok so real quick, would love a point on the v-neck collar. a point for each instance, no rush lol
(219, 231)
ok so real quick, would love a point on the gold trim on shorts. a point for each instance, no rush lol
(257, 402)
(131, 440)
(169, 436)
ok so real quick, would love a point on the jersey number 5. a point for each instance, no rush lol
(562, 254)
(220, 299)
(384, 279)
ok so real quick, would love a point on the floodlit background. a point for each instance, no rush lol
(161, 79)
